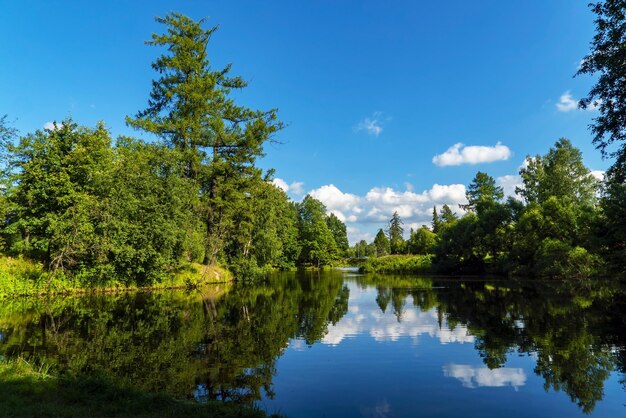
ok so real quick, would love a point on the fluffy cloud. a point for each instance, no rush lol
(379, 203)
(344, 205)
(459, 154)
(372, 125)
(410, 205)
(567, 103)
(295, 187)
(357, 235)
(472, 377)
(509, 183)
(598, 174)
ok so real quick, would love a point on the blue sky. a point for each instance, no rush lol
(371, 91)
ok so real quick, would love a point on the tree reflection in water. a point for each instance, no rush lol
(226, 347)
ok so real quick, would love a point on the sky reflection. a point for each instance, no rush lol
(364, 317)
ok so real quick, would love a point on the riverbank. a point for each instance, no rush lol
(415, 264)
(30, 391)
(21, 277)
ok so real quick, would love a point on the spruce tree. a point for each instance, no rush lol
(482, 192)
(395, 231)
(381, 243)
(436, 223)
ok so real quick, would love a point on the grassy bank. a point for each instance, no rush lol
(21, 277)
(397, 264)
(29, 391)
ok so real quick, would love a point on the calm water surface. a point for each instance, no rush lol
(338, 344)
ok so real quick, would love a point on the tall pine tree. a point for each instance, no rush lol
(192, 109)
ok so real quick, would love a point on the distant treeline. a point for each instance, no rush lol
(563, 223)
(133, 211)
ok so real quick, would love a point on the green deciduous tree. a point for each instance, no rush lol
(60, 195)
(560, 173)
(318, 243)
(338, 229)
(151, 226)
(422, 241)
(458, 248)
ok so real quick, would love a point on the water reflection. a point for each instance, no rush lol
(227, 347)
(473, 376)
(385, 326)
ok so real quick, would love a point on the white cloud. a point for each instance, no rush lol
(336, 200)
(459, 154)
(281, 184)
(50, 126)
(372, 125)
(379, 203)
(509, 183)
(567, 103)
(295, 187)
(598, 174)
(356, 235)
(472, 377)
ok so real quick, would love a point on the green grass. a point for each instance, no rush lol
(29, 391)
(22, 277)
(398, 264)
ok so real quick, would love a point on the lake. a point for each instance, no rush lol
(340, 344)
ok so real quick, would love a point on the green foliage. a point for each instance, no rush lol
(29, 390)
(556, 258)
(58, 197)
(459, 247)
(447, 216)
(612, 225)
(381, 243)
(482, 193)
(553, 235)
(395, 232)
(422, 241)
(152, 226)
(362, 249)
(606, 57)
(318, 243)
(338, 229)
(398, 264)
(191, 107)
(436, 223)
(561, 173)
(135, 213)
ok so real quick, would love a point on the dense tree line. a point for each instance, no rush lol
(94, 208)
